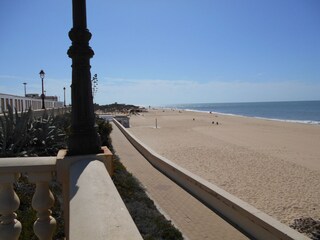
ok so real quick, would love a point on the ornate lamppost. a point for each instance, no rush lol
(42, 95)
(84, 138)
(64, 96)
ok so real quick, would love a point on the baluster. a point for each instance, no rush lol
(42, 201)
(10, 227)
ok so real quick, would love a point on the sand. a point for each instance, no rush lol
(274, 166)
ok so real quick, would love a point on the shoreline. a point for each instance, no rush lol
(308, 122)
(272, 165)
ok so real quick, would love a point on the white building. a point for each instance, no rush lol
(23, 103)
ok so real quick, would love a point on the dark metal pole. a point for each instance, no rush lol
(25, 89)
(84, 138)
(42, 95)
(64, 96)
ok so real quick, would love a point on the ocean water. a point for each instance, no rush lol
(298, 111)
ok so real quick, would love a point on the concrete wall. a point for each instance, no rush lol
(39, 113)
(93, 208)
(50, 111)
(249, 220)
(123, 120)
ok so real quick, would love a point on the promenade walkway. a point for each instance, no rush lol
(190, 216)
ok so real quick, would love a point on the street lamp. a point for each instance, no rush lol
(83, 138)
(64, 96)
(25, 89)
(42, 95)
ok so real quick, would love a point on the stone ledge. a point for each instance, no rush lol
(96, 208)
(27, 164)
(93, 208)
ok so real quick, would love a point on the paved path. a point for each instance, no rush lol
(190, 216)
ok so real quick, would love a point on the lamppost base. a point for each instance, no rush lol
(84, 143)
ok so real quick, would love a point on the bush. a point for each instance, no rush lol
(14, 133)
(104, 130)
(23, 135)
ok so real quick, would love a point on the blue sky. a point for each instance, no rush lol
(155, 52)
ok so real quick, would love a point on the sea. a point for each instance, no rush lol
(307, 112)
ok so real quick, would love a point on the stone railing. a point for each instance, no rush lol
(92, 207)
(40, 172)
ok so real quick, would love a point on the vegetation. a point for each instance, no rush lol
(309, 226)
(104, 130)
(23, 135)
(116, 107)
(94, 83)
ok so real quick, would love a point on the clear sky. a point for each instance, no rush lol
(155, 52)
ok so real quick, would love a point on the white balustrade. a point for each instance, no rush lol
(93, 208)
(39, 170)
(10, 227)
(42, 201)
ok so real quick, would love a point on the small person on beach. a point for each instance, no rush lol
(212, 122)
(217, 123)
(194, 119)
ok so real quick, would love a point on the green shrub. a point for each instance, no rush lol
(46, 137)
(104, 130)
(14, 133)
(23, 135)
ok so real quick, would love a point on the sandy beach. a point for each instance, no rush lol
(274, 166)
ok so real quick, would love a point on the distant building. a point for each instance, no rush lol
(52, 98)
(32, 95)
(31, 100)
(36, 95)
